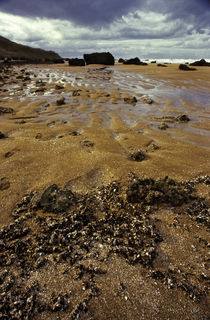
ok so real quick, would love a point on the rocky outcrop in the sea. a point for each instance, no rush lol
(105, 58)
(200, 63)
(186, 68)
(77, 62)
(135, 61)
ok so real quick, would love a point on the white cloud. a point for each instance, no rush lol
(143, 34)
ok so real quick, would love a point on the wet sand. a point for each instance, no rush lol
(87, 143)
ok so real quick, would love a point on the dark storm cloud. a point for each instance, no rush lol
(84, 12)
(101, 12)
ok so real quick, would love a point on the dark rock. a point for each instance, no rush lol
(76, 93)
(153, 61)
(4, 184)
(121, 60)
(163, 126)
(161, 65)
(77, 62)
(53, 199)
(186, 68)
(183, 118)
(105, 58)
(135, 61)
(59, 87)
(131, 100)
(2, 135)
(137, 156)
(6, 110)
(87, 143)
(60, 101)
(200, 63)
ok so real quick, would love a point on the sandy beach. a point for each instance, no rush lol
(81, 129)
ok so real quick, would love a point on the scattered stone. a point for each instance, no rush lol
(6, 110)
(74, 133)
(131, 100)
(4, 184)
(161, 65)
(183, 118)
(2, 135)
(147, 100)
(87, 143)
(38, 136)
(137, 156)
(59, 87)
(60, 101)
(163, 126)
(40, 89)
(76, 93)
(153, 61)
(9, 154)
(186, 68)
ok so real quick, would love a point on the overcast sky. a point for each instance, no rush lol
(126, 28)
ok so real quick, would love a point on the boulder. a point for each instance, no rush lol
(121, 60)
(200, 63)
(77, 62)
(135, 61)
(105, 58)
(161, 65)
(186, 68)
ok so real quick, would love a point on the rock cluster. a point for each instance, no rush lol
(201, 63)
(55, 226)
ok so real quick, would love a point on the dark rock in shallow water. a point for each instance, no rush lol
(200, 63)
(105, 58)
(186, 68)
(77, 62)
(135, 61)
